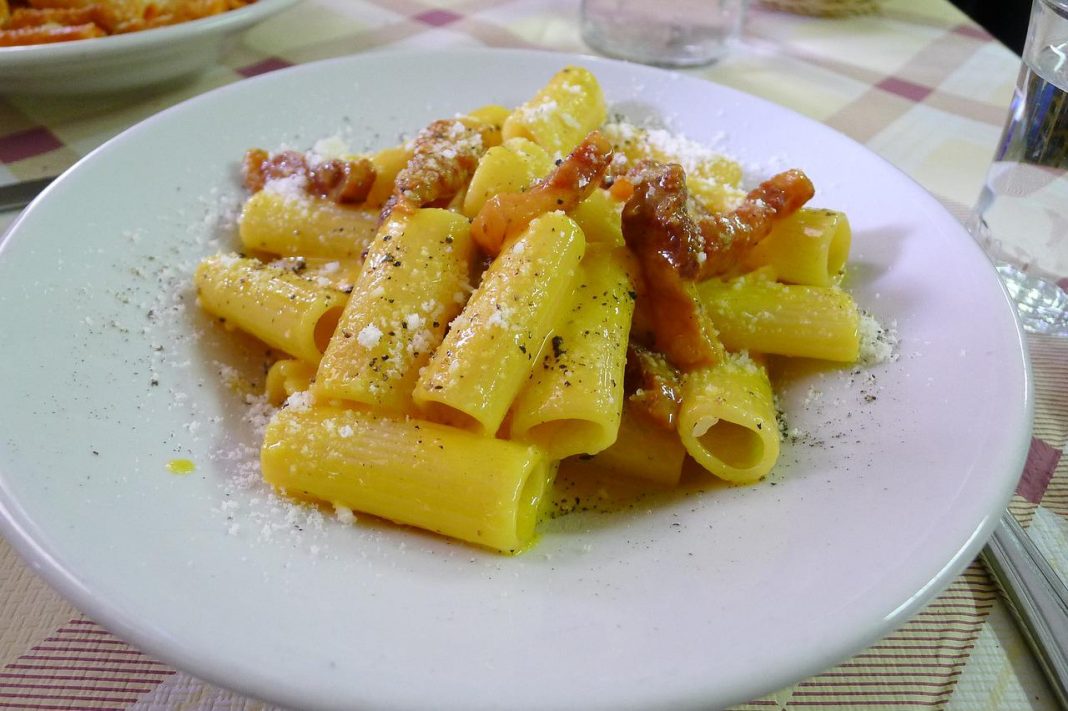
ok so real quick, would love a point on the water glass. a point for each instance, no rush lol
(674, 33)
(1021, 217)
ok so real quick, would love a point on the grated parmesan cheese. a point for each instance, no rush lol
(878, 344)
(501, 316)
(291, 187)
(300, 401)
(540, 111)
(332, 147)
(344, 514)
(369, 336)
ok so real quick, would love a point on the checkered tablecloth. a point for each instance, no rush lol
(917, 83)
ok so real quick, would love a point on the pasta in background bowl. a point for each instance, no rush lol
(128, 61)
(680, 596)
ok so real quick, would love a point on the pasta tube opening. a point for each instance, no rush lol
(641, 450)
(727, 420)
(838, 249)
(451, 416)
(562, 438)
(325, 327)
(532, 496)
(810, 247)
(735, 445)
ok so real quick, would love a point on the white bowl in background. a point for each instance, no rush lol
(128, 61)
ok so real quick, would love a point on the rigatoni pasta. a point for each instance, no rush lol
(283, 222)
(810, 247)
(504, 294)
(754, 313)
(507, 168)
(284, 311)
(727, 420)
(561, 114)
(478, 489)
(413, 283)
(573, 400)
(492, 347)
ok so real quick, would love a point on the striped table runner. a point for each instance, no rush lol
(917, 83)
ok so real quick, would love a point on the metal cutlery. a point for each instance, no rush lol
(16, 196)
(1037, 598)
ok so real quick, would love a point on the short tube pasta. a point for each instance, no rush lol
(809, 247)
(599, 217)
(561, 113)
(573, 401)
(414, 282)
(642, 450)
(727, 420)
(300, 226)
(493, 344)
(450, 481)
(387, 163)
(281, 309)
(756, 314)
(508, 168)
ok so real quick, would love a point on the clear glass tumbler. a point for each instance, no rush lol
(673, 33)
(1021, 217)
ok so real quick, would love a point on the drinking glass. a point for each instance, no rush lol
(672, 33)
(1021, 217)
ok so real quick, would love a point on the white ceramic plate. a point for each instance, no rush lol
(128, 61)
(694, 601)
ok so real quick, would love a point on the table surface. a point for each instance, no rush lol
(917, 82)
